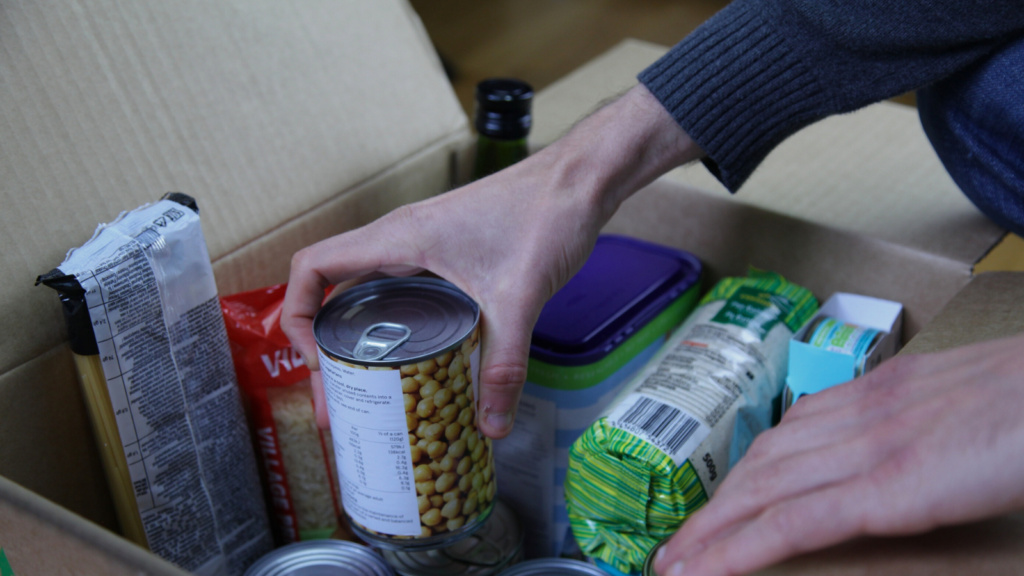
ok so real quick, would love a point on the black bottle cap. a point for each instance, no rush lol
(503, 108)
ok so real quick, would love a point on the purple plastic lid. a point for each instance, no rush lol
(624, 284)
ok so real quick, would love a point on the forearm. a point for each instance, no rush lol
(618, 150)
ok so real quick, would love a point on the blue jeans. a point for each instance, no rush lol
(975, 121)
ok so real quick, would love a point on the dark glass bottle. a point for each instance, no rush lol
(503, 121)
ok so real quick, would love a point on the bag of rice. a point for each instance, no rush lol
(299, 470)
(666, 442)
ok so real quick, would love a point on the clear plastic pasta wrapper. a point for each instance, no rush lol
(297, 458)
(666, 442)
(152, 353)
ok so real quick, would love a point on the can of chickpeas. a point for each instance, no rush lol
(400, 360)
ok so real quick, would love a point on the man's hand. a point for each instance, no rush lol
(510, 240)
(921, 442)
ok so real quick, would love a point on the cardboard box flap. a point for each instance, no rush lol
(986, 309)
(983, 548)
(262, 110)
(730, 236)
(42, 538)
(871, 172)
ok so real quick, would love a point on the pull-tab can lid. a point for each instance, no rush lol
(395, 321)
(321, 557)
(380, 339)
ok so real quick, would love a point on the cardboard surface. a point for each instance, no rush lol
(990, 307)
(993, 547)
(42, 538)
(1007, 256)
(729, 236)
(46, 443)
(262, 110)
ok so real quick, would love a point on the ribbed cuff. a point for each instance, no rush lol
(737, 89)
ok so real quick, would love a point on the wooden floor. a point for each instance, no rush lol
(542, 40)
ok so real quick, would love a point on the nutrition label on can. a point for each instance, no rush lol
(371, 443)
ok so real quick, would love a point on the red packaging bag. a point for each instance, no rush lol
(298, 465)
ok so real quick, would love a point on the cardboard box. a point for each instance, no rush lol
(293, 122)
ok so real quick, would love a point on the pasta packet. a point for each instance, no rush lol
(148, 339)
(667, 441)
(298, 466)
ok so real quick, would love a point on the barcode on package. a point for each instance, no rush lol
(671, 429)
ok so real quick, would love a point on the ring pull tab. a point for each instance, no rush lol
(374, 347)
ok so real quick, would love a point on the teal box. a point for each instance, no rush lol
(816, 368)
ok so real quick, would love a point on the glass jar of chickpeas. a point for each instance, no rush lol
(400, 361)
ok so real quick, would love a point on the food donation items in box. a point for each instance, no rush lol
(667, 441)
(299, 470)
(848, 337)
(400, 361)
(591, 337)
(152, 354)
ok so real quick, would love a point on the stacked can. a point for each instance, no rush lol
(400, 361)
(317, 557)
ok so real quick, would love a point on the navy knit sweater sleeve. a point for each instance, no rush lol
(760, 70)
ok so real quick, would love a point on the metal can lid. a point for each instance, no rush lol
(489, 550)
(554, 567)
(395, 321)
(321, 558)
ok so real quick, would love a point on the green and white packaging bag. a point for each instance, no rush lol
(669, 438)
